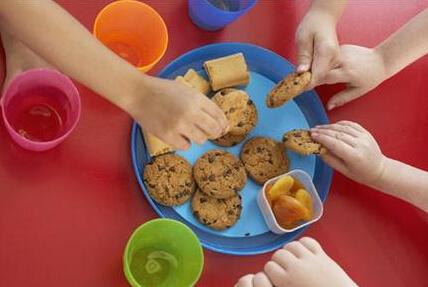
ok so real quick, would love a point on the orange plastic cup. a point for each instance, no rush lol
(134, 31)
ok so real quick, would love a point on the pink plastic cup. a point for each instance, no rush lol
(40, 108)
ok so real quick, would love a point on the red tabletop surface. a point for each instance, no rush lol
(66, 214)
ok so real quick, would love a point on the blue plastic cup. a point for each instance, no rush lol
(213, 15)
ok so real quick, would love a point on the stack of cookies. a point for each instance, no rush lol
(220, 177)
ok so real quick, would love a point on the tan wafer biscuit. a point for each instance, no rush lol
(197, 81)
(291, 86)
(300, 141)
(227, 71)
(155, 146)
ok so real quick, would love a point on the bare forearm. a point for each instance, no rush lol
(56, 36)
(405, 182)
(406, 45)
(334, 8)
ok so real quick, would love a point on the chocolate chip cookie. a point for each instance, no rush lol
(241, 113)
(291, 86)
(216, 213)
(264, 159)
(300, 141)
(219, 174)
(169, 179)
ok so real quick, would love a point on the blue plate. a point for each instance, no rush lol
(249, 235)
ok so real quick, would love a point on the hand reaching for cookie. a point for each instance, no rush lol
(316, 39)
(362, 69)
(352, 151)
(175, 113)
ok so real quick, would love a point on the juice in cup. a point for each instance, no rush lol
(40, 114)
(40, 108)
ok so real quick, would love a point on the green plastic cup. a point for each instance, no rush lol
(161, 253)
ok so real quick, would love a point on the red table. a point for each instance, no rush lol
(65, 215)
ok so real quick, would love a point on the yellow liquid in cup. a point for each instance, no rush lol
(154, 268)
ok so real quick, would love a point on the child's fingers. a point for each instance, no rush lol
(245, 281)
(196, 135)
(305, 51)
(296, 248)
(215, 112)
(311, 244)
(284, 258)
(261, 280)
(353, 125)
(335, 146)
(277, 275)
(177, 141)
(206, 123)
(335, 76)
(344, 97)
(343, 137)
(340, 128)
(324, 60)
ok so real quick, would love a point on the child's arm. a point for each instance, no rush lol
(169, 110)
(354, 152)
(318, 48)
(363, 69)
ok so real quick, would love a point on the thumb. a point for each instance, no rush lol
(305, 46)
(335, 76)
(344, 97)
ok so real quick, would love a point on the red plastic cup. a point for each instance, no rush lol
(40, 109)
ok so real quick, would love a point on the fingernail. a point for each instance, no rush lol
(302, 68)
(330, 106)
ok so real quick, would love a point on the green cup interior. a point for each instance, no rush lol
(166, 243)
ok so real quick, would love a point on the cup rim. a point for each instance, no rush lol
(40, 143)
(126, 267)
(270, 211)
(232, 12)
(147, 67)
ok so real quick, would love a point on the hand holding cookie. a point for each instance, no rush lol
(316, 39)
(177, 114)
(352, 151)
(362, 69)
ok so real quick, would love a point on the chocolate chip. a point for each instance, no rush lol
(295, 83)
(270, 161)
(172, 169)
(231, 110)
(211, 177)
(188, 184)
(259, 149)
(240, 124)
(236, 189)
(249, 102)
(203, 199)
(211, 158)
(230, 212)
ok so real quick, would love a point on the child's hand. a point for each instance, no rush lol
(258, 280)
(351, 150)
(301, 263)
(175, 113)
(362, 69)
(318, 48)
